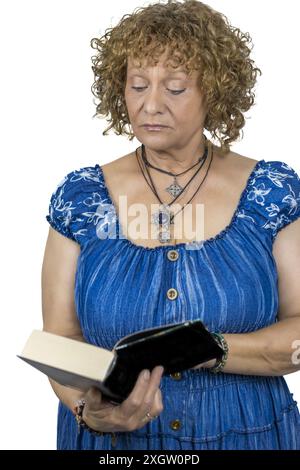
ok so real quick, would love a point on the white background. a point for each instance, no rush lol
(47, 130)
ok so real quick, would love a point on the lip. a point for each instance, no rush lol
(154, 127)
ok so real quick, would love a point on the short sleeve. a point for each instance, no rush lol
(61, 207)
(276, 194)
(72, 207)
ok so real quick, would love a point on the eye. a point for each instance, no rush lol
(138, 88)
(174, 92)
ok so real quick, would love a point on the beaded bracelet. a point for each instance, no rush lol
(220, 363)
(79, 406)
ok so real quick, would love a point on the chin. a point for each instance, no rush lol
(157, 143)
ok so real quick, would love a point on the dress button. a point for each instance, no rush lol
(172, 293)
(173, 255)
(176, 376)
(176, 424)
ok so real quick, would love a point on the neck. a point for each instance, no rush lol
(178, 160)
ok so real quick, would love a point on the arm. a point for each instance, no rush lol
(269, 351)
(59, 315)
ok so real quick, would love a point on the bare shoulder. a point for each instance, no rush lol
(231, 171)
(243, 162)
(235, 161)
(120, 174)
(121, 166)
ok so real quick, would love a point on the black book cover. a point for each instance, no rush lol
(176, 347)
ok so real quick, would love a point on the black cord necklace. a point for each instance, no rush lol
(174, 189)
(164, 217)
(190, 180)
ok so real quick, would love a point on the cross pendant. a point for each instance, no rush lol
(174, 189)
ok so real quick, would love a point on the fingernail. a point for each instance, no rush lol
(146, 374)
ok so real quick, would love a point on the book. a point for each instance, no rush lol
(81, 365)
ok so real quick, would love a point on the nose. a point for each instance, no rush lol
(153, 100)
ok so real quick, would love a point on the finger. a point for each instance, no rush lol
(157, 403)
(151, 391)
(154, 383)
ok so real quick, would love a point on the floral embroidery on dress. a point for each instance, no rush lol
(60, 208)
(258, 193)
(86, 174)
(273, 209)
(279, 202)
(274, 225)
(276, 177)
(67, 208)
(64, 210)
(292, 200)
(94, 200)
(241, 213)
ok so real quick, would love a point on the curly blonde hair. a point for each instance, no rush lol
(196, 37)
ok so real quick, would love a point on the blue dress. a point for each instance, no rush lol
(229, 281)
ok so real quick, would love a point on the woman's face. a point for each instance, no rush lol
(157, 95)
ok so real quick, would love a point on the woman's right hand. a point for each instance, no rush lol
(102, 415)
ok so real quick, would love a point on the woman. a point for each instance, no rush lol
(182, 66)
